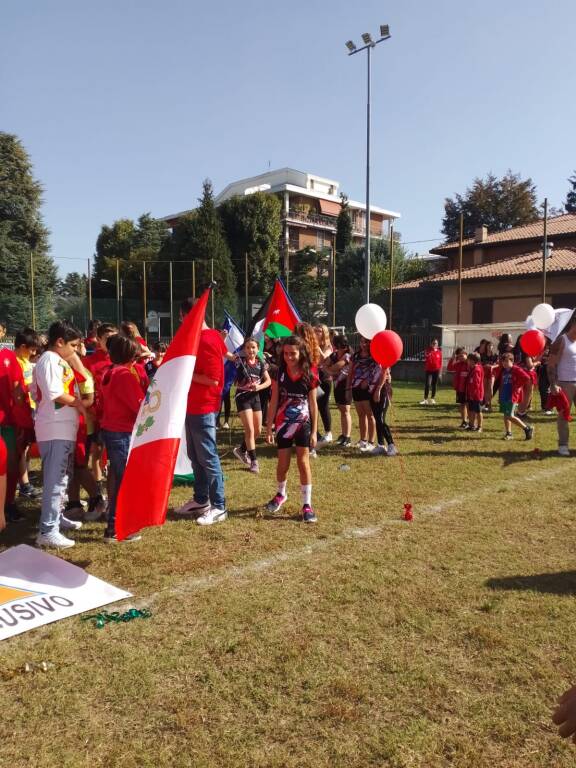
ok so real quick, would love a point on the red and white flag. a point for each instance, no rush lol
(145, 488)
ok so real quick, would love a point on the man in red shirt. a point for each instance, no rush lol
(204, 399)
(432, 368)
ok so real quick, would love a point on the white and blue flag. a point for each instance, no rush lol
(233, 341)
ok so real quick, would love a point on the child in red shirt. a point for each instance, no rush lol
(530, 368)
(98, 363)
(475, 392)
(122, 393)
(514, 384)
(458, 366)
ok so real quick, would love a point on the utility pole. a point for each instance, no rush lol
(459, 310)
(544, 250)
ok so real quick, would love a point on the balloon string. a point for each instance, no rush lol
(405, 485)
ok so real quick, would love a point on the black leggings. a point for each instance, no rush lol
(379, 412)
(265, 395)
(227, 406)
(324, 405)
(431, 382)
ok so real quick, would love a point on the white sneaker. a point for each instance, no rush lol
(367, 447)
(69, 525)
(327, 437)
(98, 511)
(423, 402)
(548, 413)
(379, 450)
(54, 539)
(192, 506)
(361, 444)
(313, 454)
(113, 539)
(392, 450)
(241, 455)
(225, 425)
(563, 450)
(432, 402)
(213, 515)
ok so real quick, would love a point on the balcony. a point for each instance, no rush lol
(311, 219)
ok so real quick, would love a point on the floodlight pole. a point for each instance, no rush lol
(367, 245)
(544, 250)
(368, 48)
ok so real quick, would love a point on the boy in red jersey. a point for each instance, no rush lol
(475, 392)
(458, 366)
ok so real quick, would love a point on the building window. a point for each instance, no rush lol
(564, 300)
(482, 311)
(294, 239)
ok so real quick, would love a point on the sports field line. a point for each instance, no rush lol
(200, 583)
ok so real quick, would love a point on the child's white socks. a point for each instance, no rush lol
(306, 491)
(282, 487)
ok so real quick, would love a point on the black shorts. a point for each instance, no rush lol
(342, 395)
(461, 398)
(301, 439)
(474, 406)
(246, 401)
(359, 394)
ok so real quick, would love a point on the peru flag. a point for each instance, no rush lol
(145, 489)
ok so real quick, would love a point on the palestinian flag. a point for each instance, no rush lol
(276, 318)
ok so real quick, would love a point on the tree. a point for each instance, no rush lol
(253, 227)
(199, 237)
(570, 204)
(309, 280)
(74, 286)
(22, 234)
(343, 226)
(498, 204)
(131, 244)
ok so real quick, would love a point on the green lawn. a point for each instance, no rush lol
(361, 641)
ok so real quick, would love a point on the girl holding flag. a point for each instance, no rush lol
(251, 378)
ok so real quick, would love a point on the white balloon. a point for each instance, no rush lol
(543, 315)
(529, 323)
(370, 320)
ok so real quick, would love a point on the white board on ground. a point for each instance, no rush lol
(37, 588)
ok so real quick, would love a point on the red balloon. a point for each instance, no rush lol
(386, 348)
(533, 342)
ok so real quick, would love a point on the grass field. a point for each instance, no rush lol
(361, 641)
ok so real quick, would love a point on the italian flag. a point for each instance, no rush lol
(276, 318)
(145, 489)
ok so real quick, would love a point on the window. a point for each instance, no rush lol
(563, 300)
(482, 311)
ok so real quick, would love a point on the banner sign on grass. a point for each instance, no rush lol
(37, 588)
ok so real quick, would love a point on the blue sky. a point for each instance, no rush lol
(125, 107)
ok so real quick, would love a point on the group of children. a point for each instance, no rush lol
(77, 400)
(478, 375)
(289, 391)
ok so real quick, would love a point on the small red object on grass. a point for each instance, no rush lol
(408, 512)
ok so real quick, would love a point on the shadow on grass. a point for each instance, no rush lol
(508, 458)
(562, 583)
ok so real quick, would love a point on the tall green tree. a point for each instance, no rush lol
(498, 204)
(22, 233)
(131, 243)
(253, 226)
(309, 280)
(570, 204)
(343, 226)
(200, 237)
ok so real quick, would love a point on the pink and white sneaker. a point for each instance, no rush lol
(275, 503)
